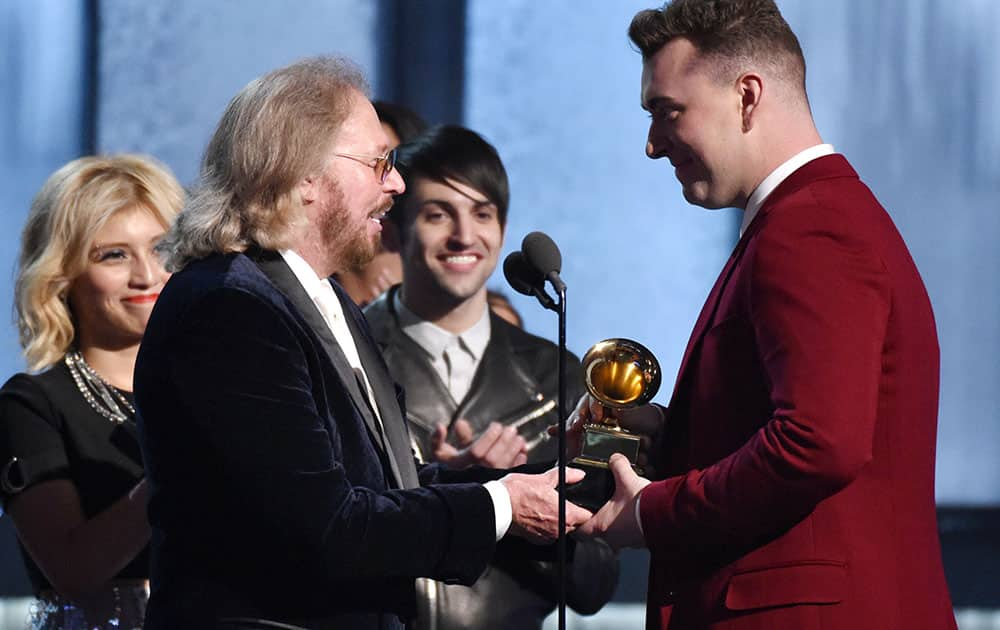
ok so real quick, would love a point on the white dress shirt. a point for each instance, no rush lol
(322, 294)
(442, 346)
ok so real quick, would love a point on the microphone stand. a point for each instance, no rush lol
(541, 258)
(561, 541)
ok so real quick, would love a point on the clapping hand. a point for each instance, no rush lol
(497, 447)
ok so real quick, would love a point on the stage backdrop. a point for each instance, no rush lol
(906, 90)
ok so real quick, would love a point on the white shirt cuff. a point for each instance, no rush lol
(501, 506)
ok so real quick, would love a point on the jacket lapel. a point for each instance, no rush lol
(706, 316)
(275, 268)
(400, 452)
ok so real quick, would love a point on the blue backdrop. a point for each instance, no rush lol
(907, 90)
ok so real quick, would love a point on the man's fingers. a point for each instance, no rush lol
(498, 446)
(620, 467)
(573, 475)
(507, 447)
(439, 442)
(577, 418)
(485, 442)
(592, 527)
(580, 412)
(627, 481)
(463, 432)
(442, 451)
(595, 408)
(576, 515)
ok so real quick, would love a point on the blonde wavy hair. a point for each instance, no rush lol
(277, 131)
(71, 207)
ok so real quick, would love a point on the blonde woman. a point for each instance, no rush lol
(71, 474)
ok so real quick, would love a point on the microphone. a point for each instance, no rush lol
(526, 280)
(542, 253)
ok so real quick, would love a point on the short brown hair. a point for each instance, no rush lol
(274, 133)
(730, 33)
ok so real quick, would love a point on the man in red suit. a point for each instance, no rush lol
(794, 466)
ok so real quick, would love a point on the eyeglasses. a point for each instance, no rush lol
(383, 165)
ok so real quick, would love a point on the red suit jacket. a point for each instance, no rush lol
(799, 444)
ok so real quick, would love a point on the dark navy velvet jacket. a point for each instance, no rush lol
(276, 493)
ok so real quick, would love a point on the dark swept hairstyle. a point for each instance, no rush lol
(730, 33)
(404, 121)
(452, 152)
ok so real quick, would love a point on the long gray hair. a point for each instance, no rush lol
(274, 133)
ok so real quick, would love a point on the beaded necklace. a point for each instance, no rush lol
(104, 398)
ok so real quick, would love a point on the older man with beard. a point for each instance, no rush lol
(284, 492)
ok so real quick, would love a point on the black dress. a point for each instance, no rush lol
(49, 431)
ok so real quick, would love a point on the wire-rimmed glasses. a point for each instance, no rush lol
(382, 164)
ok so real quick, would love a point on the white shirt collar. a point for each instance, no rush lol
(306, 275)
(779, 175)
(435, 339)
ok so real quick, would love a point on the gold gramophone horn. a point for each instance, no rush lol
(621, 373)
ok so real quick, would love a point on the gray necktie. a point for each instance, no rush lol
(460, 365)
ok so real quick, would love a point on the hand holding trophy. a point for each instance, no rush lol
(620, 374)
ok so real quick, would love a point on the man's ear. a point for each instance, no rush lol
(308, 189)
(750, 87)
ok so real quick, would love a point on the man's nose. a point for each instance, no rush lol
(656, 147)
(394, 184)
(658, 141)
(461, 231)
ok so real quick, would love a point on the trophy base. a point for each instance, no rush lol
(599, 444)
(596, 488)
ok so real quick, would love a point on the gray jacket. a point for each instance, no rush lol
(515, 382)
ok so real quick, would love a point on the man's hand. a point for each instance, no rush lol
(535, 505)
(616, 522)
(497, 447)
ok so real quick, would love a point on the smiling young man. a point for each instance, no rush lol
(478, 389)
(793, 481)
